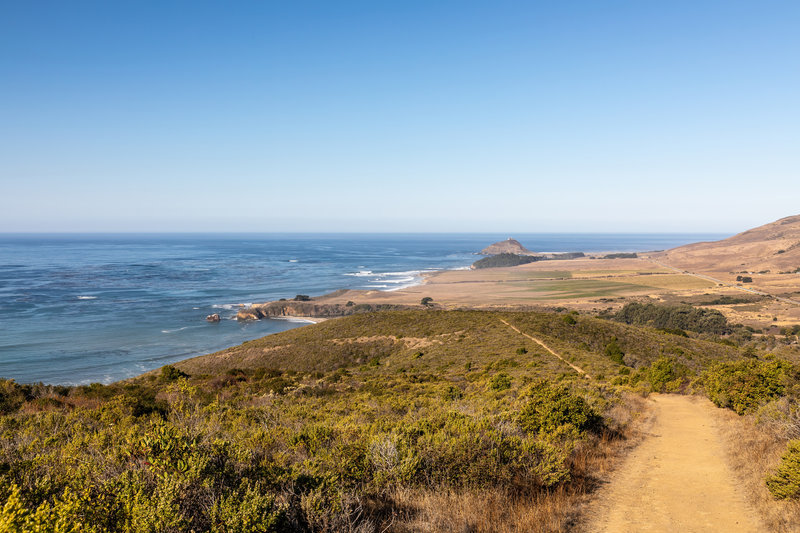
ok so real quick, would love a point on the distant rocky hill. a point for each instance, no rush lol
(772, 247)
(508, 246)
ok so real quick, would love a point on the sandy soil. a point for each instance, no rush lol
(676, 479)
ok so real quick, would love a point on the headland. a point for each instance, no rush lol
(753, 278)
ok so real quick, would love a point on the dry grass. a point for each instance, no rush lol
(754, 450)
(493, 511)
(668, 281)
(620, 273)
(499, 511)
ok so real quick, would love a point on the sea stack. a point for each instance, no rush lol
(508, 246)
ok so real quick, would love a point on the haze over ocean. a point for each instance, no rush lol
(76, 309)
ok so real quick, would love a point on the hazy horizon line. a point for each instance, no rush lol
(511, 234)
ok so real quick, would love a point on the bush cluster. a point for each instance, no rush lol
(679, 317)
(621, 255)
(505, 260)
(553, 408)
(312, 430)
(744, 385)
(785, 482)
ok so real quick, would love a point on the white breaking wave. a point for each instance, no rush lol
(392, 281)
(361, 273)
(87, 297)
(406, 273)
(401, 280)
(174, 330)
(230, 307)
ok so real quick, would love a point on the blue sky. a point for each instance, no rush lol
(398, 116)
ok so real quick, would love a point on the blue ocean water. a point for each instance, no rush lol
(76, 309)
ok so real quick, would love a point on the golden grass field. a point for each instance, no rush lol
(589, 284)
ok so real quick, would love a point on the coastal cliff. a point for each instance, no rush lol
(281, 309)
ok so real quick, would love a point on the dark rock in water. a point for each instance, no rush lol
(213, 318)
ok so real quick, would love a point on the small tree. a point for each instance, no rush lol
(426, 301)
(170, 373)
(614, 351)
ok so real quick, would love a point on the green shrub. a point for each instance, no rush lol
(551, 407)
(569, 320)
(665, 374)
(456, 451)
(250, 509)
(683, 317)
(614, 352)
(453, 393)
(170, 373)
(12, 396)
(501, 381)
(785, 482)
(743, 385)
(674, 331)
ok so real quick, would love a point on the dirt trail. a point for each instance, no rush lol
(577, 369)
(676, 479)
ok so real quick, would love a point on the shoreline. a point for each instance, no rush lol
(588, 284)
(335, 303)
(594, 283)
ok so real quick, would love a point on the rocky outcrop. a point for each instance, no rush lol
(213, 318)
(281, 309)
(508, 246)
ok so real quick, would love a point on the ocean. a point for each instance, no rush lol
(78, 309)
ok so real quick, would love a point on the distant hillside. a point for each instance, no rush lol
(774, 247)
(508, 246)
